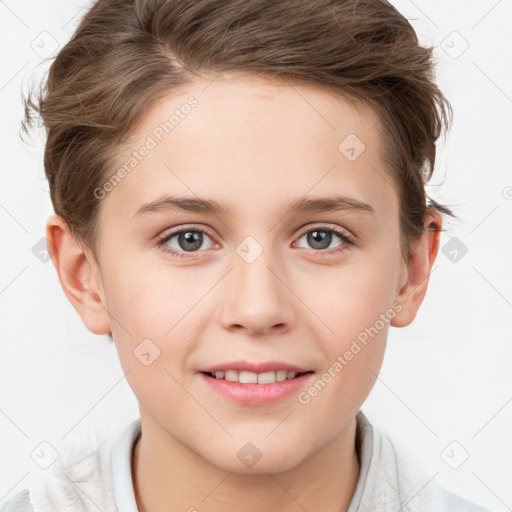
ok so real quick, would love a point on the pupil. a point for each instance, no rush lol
(190, 237)
(317, 241)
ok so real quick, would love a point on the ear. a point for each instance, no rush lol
(418, 271)
(79, 275)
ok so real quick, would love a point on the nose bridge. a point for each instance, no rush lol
(257, 298)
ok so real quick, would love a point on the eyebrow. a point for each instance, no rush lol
(209, 206)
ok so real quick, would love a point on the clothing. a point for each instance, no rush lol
(102, 480)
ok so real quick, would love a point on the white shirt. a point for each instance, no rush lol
(122, 468)
(102, 480)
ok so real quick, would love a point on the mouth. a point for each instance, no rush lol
(256, 384)
(247, 377)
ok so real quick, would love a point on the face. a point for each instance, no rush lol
(191, 289)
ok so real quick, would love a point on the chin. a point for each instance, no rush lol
(249, 460)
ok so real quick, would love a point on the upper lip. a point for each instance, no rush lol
(261, 367)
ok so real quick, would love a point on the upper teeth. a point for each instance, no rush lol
(255, 378)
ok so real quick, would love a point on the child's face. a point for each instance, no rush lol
(256, 287)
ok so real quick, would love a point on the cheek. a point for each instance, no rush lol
(358, 310)
(155, 315)
(354, 295)
(145, 299)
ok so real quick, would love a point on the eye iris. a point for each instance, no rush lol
(190, 237)
(319, 237)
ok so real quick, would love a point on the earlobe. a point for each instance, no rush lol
(78, 275)
(419, 268)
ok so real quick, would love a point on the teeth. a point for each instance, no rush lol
(281, 375)
(248, 377)
(231, 375)
(255, 378)
(265, 378)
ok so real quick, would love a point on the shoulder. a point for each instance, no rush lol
(454, 503)
(392, 481)
(20, 502)
(79, 482)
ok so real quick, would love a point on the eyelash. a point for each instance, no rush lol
(346, 238)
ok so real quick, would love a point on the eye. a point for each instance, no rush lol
(321, 237)
(182, 241)
(190, 240)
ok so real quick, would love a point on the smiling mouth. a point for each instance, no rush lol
(246, 377)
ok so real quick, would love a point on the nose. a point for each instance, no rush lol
(257, 298)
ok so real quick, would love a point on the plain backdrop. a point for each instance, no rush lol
(445, 389)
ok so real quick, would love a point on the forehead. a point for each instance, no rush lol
(251, 141)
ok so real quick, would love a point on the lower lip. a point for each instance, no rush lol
(257, 394)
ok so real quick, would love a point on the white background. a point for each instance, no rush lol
(445, 378)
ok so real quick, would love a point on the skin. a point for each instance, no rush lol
(255, 146)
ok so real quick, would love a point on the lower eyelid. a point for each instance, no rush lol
(163, 241)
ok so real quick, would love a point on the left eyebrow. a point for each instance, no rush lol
(209, 206)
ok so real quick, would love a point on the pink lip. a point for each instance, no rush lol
(257, 394)
(266, 366)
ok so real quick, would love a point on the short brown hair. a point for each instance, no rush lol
(125, 55)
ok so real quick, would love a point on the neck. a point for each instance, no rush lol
(170, 476)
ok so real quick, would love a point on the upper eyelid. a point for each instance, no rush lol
(301, 233)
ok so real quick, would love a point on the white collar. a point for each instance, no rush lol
(122, 483)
